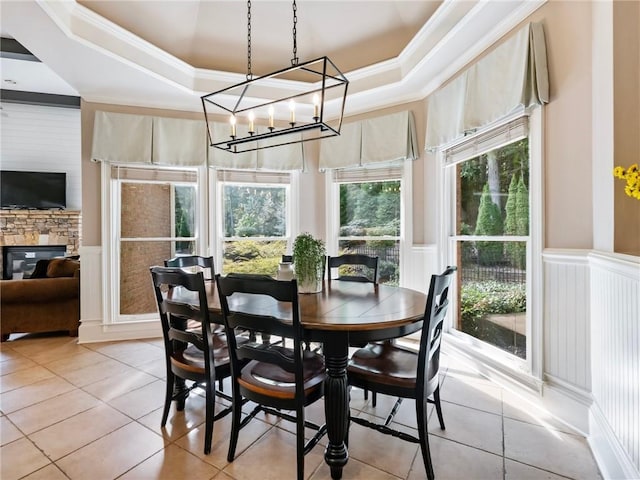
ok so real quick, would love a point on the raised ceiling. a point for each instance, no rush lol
(213, 34)
(166, 54)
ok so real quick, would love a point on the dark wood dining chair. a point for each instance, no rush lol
(276, 377)
(358, 261)
(390, 369)
(187, 261)
(191, 354)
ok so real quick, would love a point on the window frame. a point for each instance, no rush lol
(332, 192)
(530, 370)
(255, 178)
(111, 234)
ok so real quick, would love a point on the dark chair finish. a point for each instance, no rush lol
(192, 261)
(276, 378)
(355, 259)
(195, 354)
(388, 369)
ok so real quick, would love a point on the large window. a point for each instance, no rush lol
(254, 221)
(370, 217)
(155, 218)
(490, 240)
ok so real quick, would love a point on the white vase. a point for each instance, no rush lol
(285, 271)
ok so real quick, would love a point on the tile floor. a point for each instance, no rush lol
(93, 412)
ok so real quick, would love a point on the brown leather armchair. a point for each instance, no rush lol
(46, 304)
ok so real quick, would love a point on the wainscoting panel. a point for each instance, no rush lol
(615, 332)
(90, 284)
(417, 269)
(566, 318)
(96, 324)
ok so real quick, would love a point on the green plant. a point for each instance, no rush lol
(479, 299)
(489, 224)
(309, 257)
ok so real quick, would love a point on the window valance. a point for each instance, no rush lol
(285, 157)
(179, 142)
(135, 139)
(141, 139)
(122, 138)
(381, 139)
(512, 76)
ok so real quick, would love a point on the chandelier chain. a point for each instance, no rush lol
(249, 76)
(294, 60)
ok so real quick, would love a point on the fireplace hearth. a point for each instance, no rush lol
(39, 231)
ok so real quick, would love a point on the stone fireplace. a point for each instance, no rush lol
(41, 227)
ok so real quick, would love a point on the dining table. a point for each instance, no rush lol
(343, 314)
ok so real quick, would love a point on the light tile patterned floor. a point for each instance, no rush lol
(72, 411)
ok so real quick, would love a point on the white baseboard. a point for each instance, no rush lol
(93, 331)
(613, 460)
(567, 403)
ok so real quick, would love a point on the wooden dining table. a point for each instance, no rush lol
(342, 314)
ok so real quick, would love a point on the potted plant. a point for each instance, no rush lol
(308, 257)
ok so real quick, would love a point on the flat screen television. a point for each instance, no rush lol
(33, 190)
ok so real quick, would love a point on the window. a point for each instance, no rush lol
(154, 217)
(490, 236)
(369, 219)
(254, 225)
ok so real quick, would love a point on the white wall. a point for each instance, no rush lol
(43, 139)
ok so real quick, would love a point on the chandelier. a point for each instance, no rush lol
(296, 104)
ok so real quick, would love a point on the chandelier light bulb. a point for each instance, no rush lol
(252, 117)
(316, 105)
(270, 116)
(232, 121)
(292, 107)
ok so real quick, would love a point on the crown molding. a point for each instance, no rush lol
(456, 34)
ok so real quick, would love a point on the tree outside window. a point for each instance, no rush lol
(370, 224)
(255, 227)
(492, 205)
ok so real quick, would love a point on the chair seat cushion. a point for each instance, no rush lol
(384, 363)
(270, 379)
(192, 358)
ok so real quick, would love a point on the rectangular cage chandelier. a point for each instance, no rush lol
(299, 103)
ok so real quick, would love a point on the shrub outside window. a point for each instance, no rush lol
(490, 246)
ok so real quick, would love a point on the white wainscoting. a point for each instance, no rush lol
(566, 339)
(615, 346)
(567, 347)
(420, 263)
(95, 321)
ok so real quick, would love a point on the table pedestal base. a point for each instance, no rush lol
(336, 402)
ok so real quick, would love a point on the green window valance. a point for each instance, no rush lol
(142, 139)
(381, 139)
(512, 76)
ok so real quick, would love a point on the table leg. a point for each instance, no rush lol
(336, 402)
